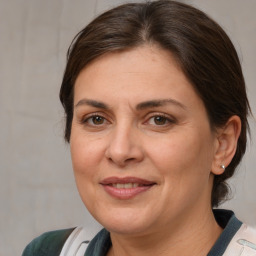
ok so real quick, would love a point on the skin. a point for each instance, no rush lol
(171, 144)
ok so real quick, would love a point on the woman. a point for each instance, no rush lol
(156, 117)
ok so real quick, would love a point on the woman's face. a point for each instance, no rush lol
(141, 144)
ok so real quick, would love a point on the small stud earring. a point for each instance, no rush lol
(223, 167)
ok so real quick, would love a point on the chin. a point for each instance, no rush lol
(124, 222)
(126, 228)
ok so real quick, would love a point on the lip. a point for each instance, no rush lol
(126, 193)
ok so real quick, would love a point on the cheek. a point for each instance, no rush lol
(86, 158)
(185, 168)
(86, 154)
(183, 157)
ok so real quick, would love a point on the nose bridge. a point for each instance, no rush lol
(123, 137)
(124, 145)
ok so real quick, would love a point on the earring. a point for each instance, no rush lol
(223, 167)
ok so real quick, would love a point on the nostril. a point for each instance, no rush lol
(129, 159)
(121, 153)
(122, 161)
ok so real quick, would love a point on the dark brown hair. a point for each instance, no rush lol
(202, 49)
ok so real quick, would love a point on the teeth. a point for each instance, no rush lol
(126, 185)
(120, 185)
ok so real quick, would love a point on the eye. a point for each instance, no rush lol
(95, 120)
(160, 120)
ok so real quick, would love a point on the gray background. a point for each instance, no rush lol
(37, 188)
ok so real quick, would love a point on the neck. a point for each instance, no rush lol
(194, 236)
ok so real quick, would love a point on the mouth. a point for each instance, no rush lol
(127, 185)
(126, 188)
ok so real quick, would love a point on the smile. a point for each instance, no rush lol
(126, 188)
(126, 185)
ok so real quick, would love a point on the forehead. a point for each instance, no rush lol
(138, 74)
(139, 59)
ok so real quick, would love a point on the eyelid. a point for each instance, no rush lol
(86, 117)
(168, 117)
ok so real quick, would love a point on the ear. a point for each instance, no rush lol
(226, 144)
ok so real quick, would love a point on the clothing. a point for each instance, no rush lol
(51, 243)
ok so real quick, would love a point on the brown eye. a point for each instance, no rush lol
(97, 120)
(160, 120)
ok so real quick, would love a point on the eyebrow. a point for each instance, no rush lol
(140, 106)
(158, 103)
(93, 103)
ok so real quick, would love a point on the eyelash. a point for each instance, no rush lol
(167, 119)
(85, 120)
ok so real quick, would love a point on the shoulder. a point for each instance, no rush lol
(49, 243)
(237, 238)
(244, 241)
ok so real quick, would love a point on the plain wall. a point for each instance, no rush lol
(37, 188)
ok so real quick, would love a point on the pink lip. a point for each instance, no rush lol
(126, 193)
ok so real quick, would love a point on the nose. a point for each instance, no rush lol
(124, 147)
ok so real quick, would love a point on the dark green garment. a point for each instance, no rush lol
(51, 243)
(48, 244)
(101, 243)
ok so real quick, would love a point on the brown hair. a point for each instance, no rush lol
(201, 47)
